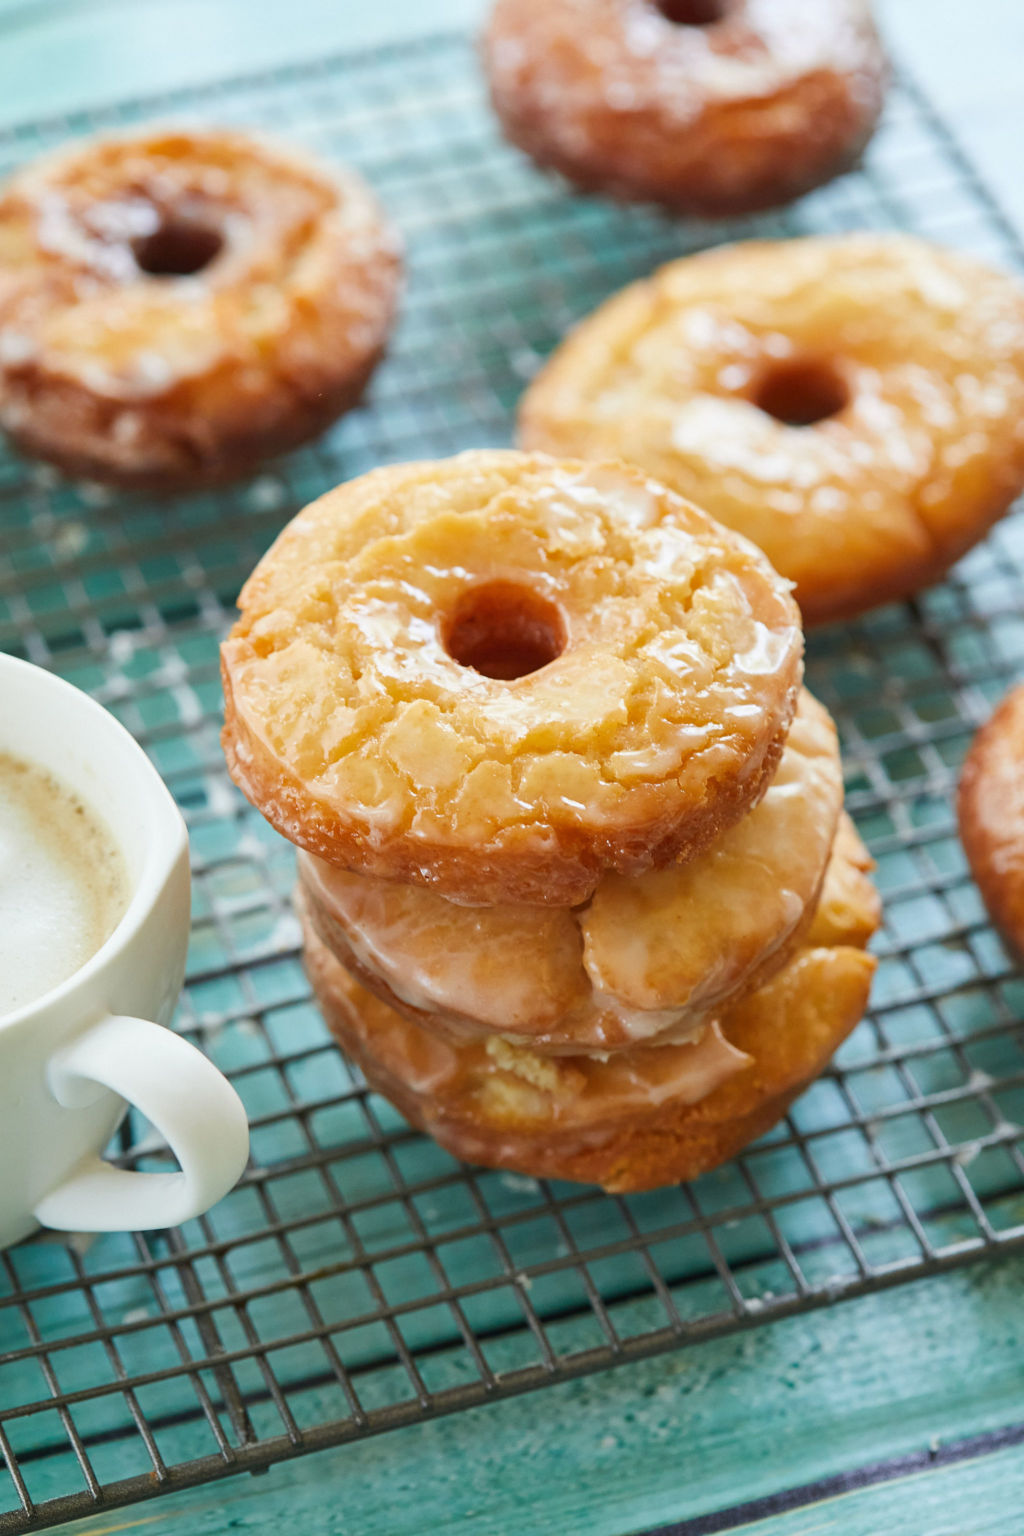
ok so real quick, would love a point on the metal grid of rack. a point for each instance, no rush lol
(359, 1278)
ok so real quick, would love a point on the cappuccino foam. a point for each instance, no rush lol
(63, 883)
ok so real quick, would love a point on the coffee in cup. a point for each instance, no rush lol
(63, 882)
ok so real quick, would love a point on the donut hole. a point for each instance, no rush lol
(692, 13)
(505, 631)
(801, 391)
(178, 247)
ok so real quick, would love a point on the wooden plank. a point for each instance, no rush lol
(979, 1497)
(672, 1439)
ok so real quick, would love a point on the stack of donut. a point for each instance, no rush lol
(577, 890)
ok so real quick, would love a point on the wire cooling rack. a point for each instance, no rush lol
(359, 1278)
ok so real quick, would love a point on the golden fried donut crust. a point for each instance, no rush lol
(171, 378)
(638, 1119)
(647, 958)
(925, 346)
(358, 736)
(850, 909)
(748, 112)
(991, 810)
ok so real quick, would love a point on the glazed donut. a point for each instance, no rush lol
(855, 405)
(991, 812)
(502, 676)
(640, 1118)
(712, 107)
(850, 909)
(176, 306)
(648, 958)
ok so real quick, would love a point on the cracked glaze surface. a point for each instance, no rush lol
(646, 959)
(646, 1116)
(745, 113)
(864, 506)
(363, 741)
(121, 374)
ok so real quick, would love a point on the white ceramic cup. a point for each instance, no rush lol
(73, 1060)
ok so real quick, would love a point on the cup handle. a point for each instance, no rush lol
(194, 1108)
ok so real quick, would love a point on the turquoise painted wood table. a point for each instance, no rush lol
(900, 1410)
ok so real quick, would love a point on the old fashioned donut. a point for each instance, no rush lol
(991, 811)
(501, 676)
(850, 909)
(713, 107)
(648, 958)
(855, 405)
(176, 306)
(639, 1118)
